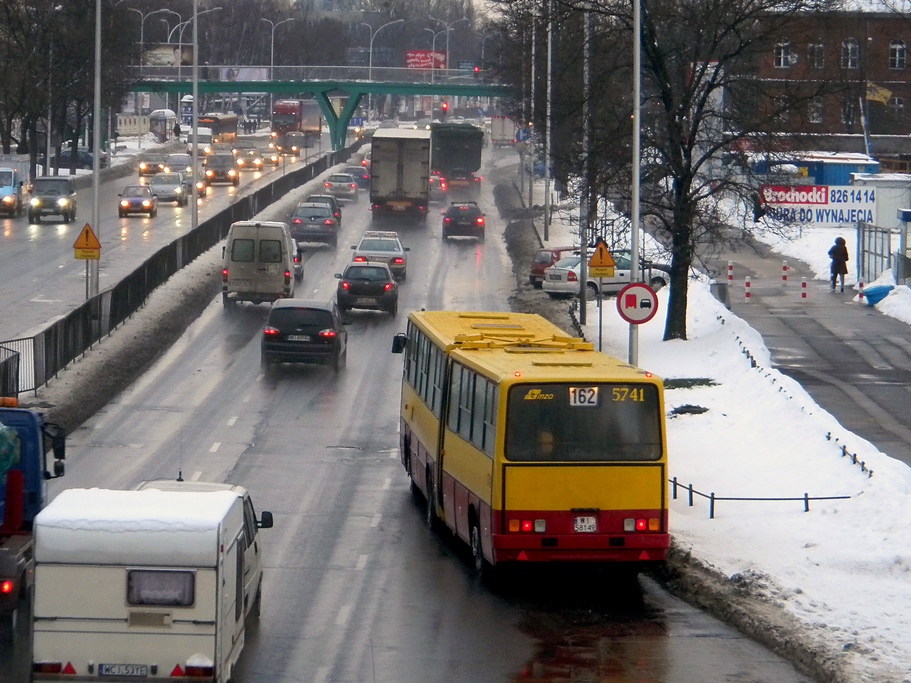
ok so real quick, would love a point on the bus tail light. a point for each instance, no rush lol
(527, 526)
(631, 524)
(203, 671)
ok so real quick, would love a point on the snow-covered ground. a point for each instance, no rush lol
(842, 571)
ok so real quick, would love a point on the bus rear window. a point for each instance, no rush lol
(583, 423)
(156, 587)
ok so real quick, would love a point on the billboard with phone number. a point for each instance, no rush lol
(823, 205)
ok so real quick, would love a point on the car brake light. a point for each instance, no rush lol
(571, 277)
(297, 258)
(398, 260)
(7, 587)
(388, 286)
(327, 184)
(326, 334)
(224, 275)
(287, 276)
(360, 259)
(297, 221)
(352, 185)
(447, 220)
(207, 671)
(478, 179)
(271, 331)
(479, 220)
(344, 285)
(328, 221)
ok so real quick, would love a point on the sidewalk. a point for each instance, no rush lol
(854, 361)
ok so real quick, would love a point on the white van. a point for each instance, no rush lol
(259, 262)
(148, 583)
(204, 137)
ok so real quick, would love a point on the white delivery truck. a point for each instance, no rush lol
(503, 131)
(151, 583)
(400, 173)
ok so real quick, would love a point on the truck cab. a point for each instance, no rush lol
(26, 442)
(11, 188)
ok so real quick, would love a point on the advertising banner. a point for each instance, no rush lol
(823, 205)
(168, 54)
(425, 59)
(244, 73)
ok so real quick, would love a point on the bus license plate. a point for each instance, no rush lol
(298, 337)
(123, 670)
(585, 525)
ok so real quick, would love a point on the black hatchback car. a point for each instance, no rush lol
(222, 168)
(332, 201)
(463, 219)
(368, 285)
(314, 222)
(304, 331)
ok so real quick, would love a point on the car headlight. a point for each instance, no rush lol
(209, 174)
(8, 199)
(146, 203)
(179, 190)
(63, 201)
(34, 201)
(232, 172)
(124, 203)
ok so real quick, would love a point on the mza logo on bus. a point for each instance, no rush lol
(818, 204)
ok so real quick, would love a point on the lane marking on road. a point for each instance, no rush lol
(247, 397)
(343, 615)
(41, 300)
(196, 475)
(215, 447)
(232, 421)
(361, 562)
(322, 675)
(376, 520)
(387, 483)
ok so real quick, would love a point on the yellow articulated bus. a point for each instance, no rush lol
(529, 444)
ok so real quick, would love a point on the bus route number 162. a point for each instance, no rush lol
(583, 397)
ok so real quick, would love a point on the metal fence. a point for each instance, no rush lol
(874, 251)
(28, 363)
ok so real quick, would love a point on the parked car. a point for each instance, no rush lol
(152, 163)
(304, 331)
(463, 219)
(361, 176)
(332, 201)
(84, 159)
(342, 185)
(137, 199)
(314, 222)
(561, 280)
(545, 258)
(367, 285)
(170, 187)
(383, 246)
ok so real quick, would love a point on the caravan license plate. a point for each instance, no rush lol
(298, 337)
(585, 525)
(123, 670)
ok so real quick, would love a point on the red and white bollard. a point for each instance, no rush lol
(784, 273)
(803, 289)
(860, 293)
(746, 290)
(730, 274)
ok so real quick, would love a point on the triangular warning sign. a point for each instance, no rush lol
(87, 239)
(602, 257)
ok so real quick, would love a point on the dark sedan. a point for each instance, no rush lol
(368, 285)
(304, 331)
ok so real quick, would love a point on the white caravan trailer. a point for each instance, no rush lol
(140, 584)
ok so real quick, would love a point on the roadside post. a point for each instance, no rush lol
(600, 265)
(87, 248)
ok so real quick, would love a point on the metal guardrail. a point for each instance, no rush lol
(712, 498)
(28, 363)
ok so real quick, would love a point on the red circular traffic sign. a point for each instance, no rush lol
(637, 303)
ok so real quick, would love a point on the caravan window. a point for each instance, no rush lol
(171, 588)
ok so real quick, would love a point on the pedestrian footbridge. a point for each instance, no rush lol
(325, 83)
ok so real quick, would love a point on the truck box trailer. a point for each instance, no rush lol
(147, 583)
(456, 155)
(503, 131)
(400, 173)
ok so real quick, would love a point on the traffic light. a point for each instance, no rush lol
(477, 71)
(445, 107)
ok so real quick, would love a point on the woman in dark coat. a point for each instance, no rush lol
(839, 255)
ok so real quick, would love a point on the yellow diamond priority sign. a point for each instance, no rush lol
(601, 264)
(87, 246)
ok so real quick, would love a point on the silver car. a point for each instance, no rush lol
(342, 185)
(561, 280)
(380, 246)
(170, 187)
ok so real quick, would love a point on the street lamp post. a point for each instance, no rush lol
(182, 26)
(142, 24)
(448, 26)
(272, 55)
(370, 62)
(433, 51)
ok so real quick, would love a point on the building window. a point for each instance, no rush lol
(782, 107)
(850, 54)
(814, 110)
(816, 55)
(784, 57)
(848, 113)
(897, 54)
(897, 107)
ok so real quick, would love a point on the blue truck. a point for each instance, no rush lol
(27, 443)
(12, 183)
